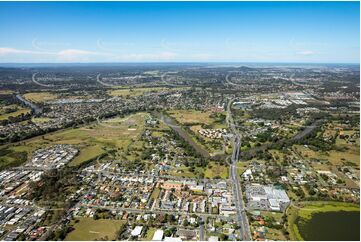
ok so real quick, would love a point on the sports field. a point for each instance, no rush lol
(90, 229)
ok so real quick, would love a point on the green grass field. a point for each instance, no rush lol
(40, 120)
(216, 170)
(150, 234)
(87, 153)
(155, 193)
(335, 157)
(18, 112)
(12, 157)
(194, 116)
(242, 166)
(90, 229)
(183, 171)
(133, 92)
(39, 97)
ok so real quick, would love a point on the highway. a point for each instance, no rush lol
(245, 233)
(229, 82)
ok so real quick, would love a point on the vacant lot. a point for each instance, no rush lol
(185, 172)
(87, 153)
(135, 91)
(12, 157)
(39, 97)
(215, 170)
(351, 155)
(90, 229)
(197, 117)
(4, 92)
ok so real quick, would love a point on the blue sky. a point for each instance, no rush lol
(326, 32)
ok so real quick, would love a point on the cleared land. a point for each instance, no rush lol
(39, 97)
(194, 117)
(136, 91)
(185, 172)
(215, 170)
(90, 229)
(6, 92)
(88, 153)
(351, 155)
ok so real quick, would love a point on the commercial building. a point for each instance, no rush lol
(266, 198)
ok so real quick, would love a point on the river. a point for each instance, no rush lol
(34, 107)
(171, 123)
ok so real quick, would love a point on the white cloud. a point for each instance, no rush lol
(201, 56)
(72, 52)
(78, 55)
(74, 55)
(146, 57)
(306, 52)
(9, 51)
(63, 55)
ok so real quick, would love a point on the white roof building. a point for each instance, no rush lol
(137, 231)
(158, 235)
(270, 195)
(213, 238)
(172, 239)
(247, 175)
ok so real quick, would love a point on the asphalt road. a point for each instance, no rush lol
(201, 231)
(245, 233)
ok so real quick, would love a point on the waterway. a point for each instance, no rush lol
(35, 108)
(332, 226)
(171, 123)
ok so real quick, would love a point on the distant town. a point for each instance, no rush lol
(178, 152)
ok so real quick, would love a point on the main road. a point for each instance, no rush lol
(245, 233)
